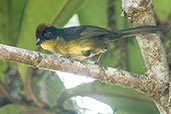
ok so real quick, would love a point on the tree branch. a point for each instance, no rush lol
(139, 12)
(50, 62)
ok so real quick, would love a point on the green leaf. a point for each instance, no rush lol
(93, 12)
(11, 109)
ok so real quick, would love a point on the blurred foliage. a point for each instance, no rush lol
(19, 109)
(18, 21)
(11, 109)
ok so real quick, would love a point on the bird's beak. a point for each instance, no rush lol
(38, 42)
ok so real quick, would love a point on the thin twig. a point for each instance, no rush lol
(29, 88)
(8, 96)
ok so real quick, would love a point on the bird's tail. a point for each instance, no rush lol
(138, 30)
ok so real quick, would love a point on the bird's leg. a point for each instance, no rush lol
(68, 56)
(98, 59)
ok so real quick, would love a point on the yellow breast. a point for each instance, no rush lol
(48, 45)
(72, 47)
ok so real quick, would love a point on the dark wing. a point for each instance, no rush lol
(86, 31)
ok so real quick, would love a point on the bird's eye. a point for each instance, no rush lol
(48, 34)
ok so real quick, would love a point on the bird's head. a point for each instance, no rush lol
(44, 32)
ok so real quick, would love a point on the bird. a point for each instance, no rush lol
(84, 41)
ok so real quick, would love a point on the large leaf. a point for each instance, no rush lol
(10, 16)
(122, 100)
